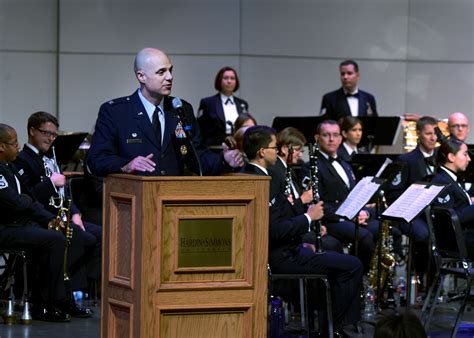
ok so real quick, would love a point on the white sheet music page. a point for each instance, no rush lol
(359, 196)
(413, 201)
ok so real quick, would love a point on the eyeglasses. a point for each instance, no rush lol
(14, 144)
(459, 126)
(47, 133)
(274, 148)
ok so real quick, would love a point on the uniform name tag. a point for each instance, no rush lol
(134, 140)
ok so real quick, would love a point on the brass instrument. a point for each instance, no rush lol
(51, 166)
(62, 222)
(387, 261)
(288, 178)
(314, 184)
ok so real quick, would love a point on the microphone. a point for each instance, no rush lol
(178, 106)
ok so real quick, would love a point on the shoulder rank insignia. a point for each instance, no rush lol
(398, 179)
(3, 182)
(444, 200)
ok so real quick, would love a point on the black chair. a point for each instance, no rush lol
(9, 264)
(303, 290)
(450, 255)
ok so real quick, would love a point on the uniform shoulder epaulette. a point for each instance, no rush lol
(120, 100)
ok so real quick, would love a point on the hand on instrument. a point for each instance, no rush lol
(232, 156)
(307, 196)
(58, 180)
(139, 163)
(323, 231)
(316, 211)
(363, 217)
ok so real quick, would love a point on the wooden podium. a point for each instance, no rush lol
(185, 256)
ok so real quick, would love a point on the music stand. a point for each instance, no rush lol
(368, 164)
(305, 124)
(379, 130)
(66, 145)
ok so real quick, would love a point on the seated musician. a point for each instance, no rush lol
(287, 254)
(23, 226)
(453, 158)
(418, 165)
(42, 176)
(335, 180)
(292, 140)
(351, 130)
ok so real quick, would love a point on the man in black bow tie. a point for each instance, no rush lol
(348, 100)
(336, 180)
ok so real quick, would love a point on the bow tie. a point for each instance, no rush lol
(352, 95)
(229, 101)
(431, 160)
(334, 159)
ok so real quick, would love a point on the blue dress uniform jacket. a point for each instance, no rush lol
(455, 198)
(17, 209)
(211, 118)
(334, 105)
(123, 131)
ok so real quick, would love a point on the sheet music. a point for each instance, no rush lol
(413, 201)
(384, 165)
(358, 197)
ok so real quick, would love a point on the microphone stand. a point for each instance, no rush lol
(178, 106)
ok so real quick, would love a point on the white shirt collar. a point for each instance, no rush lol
(425, 154)
(356, 90)
(32, 147)
(450, 173)
(282, 161)
(260, 167)
(349, 149)
(149, 107)
(224, 98)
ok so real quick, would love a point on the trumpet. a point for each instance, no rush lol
(51, 166)
(62, 222)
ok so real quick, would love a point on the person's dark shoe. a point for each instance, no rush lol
(50, 314)
(72, 308)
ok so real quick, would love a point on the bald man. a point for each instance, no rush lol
(142, 133)
(458, 125)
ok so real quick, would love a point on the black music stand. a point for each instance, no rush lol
(368, 164)
(407, 208)
(305, 124)
(65, 146)
(379, 130)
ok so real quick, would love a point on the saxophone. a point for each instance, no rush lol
(387, 261)
(62, 222)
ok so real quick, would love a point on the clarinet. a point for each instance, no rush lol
(288, 178)
(314, 184)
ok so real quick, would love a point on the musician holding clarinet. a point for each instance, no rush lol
(287, 254)
(291, 143)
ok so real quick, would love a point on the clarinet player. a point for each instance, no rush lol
(291, 142)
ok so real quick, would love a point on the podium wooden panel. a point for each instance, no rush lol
(146, 293)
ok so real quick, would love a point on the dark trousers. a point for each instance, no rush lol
(345, 232)
(45, 250)
(344, 273)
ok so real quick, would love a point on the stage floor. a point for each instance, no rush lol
(90, 328)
